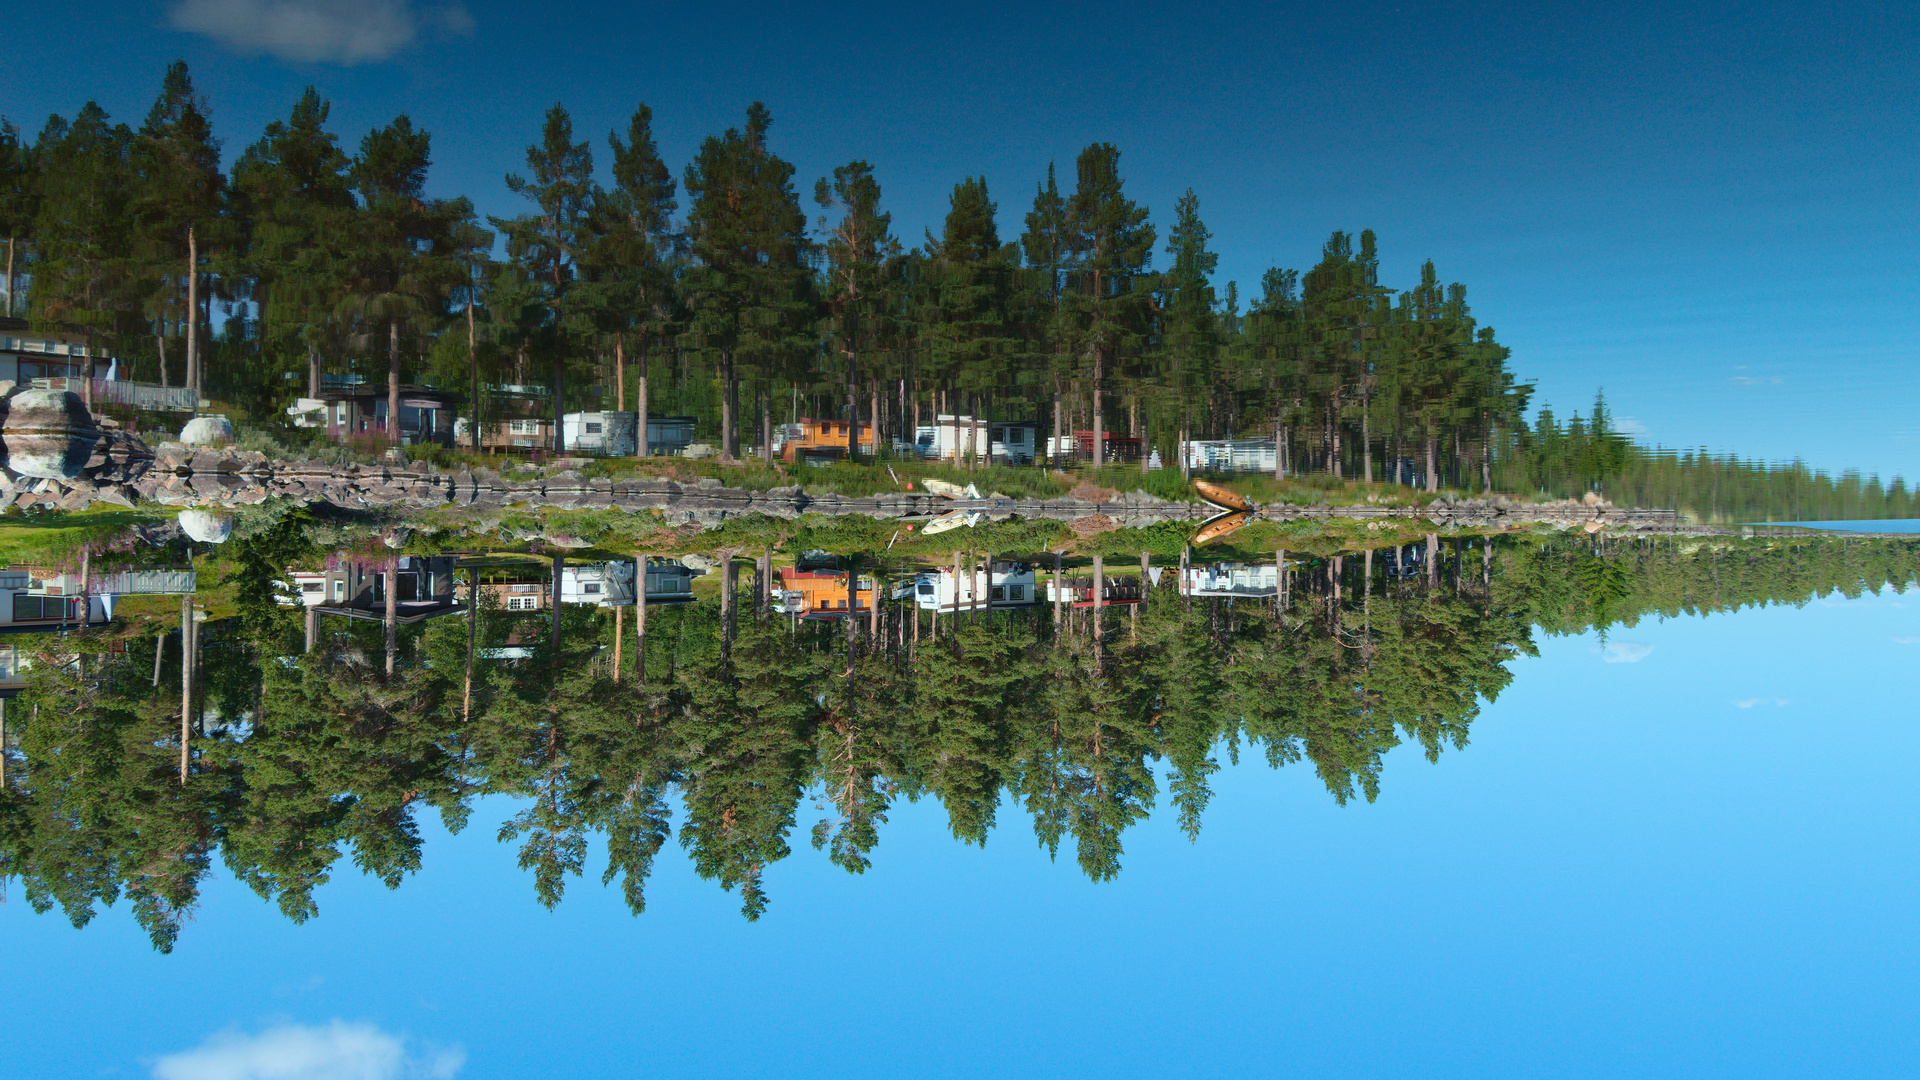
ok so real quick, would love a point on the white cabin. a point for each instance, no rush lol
(603, 434)
(1232, 579)
(947, 439)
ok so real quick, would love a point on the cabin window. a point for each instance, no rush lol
(313, 586)
(27, 607)
(999, 592)
(1016, 592)
(591, 588)
(593, 429)
(339, 589)
(522, 603)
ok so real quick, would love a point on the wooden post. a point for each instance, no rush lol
(159, 650)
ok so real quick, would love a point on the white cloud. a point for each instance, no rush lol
(1625, 652)
(1906, 641)
(1748, 703)
(339, 1051)
(309, 31)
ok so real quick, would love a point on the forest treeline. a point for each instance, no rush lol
(745, 727)
(722, 293)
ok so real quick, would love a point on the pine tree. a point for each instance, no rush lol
(1189, 325)
(178, 203)
(19, 193)
(856, 249)
(293, 197)
(634, 255)
(1111, 248)
(84, 281)
(1047, 246)
(748, 289)
(399, 255)
(549, 243)
(970, 342)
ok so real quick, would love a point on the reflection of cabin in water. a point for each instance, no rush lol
(604, 584)
(820, 594)
(1078, 591)
(1011, 585)
(1403, 562)
(1232, 579)
(50, 603)
(357, 588)
(30, 604)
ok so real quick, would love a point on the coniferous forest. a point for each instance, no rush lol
(734, 292)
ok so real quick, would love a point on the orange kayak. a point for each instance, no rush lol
(1220, 525)
(1221, 497)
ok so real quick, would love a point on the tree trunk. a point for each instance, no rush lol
(473, 636)
(853, 410)
(559, 565)
(1059, 591)
(393, 381)
(1099, 440)
(766, 429)
(9, 311)
(186, 682)
(620, 372)
(619, 644)
(160, 652)
(313, 371)
(160, 340)
(393, 613)
(193, 313)
(729, 442)
(312, 634)
(1366, 443)
(1433, 475)
(559, 407)
(640, 406)
(473, 368)
(1053, 445)
(640, 623)
(874, 427)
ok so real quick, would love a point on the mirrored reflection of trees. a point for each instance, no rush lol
(750, 729)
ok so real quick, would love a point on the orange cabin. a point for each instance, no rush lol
(821, 594)
(823, 437)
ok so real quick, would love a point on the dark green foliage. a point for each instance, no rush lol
(1081, 724)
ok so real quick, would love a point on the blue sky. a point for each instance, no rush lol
(1687, 851)
(1710, 210)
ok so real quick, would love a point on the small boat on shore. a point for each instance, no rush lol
(1223, 498)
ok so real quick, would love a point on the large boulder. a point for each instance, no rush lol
(206, 526)
(207, 431)
(49, 434)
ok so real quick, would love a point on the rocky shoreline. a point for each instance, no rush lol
(59, 457)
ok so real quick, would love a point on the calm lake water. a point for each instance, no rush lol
(1552, 805)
